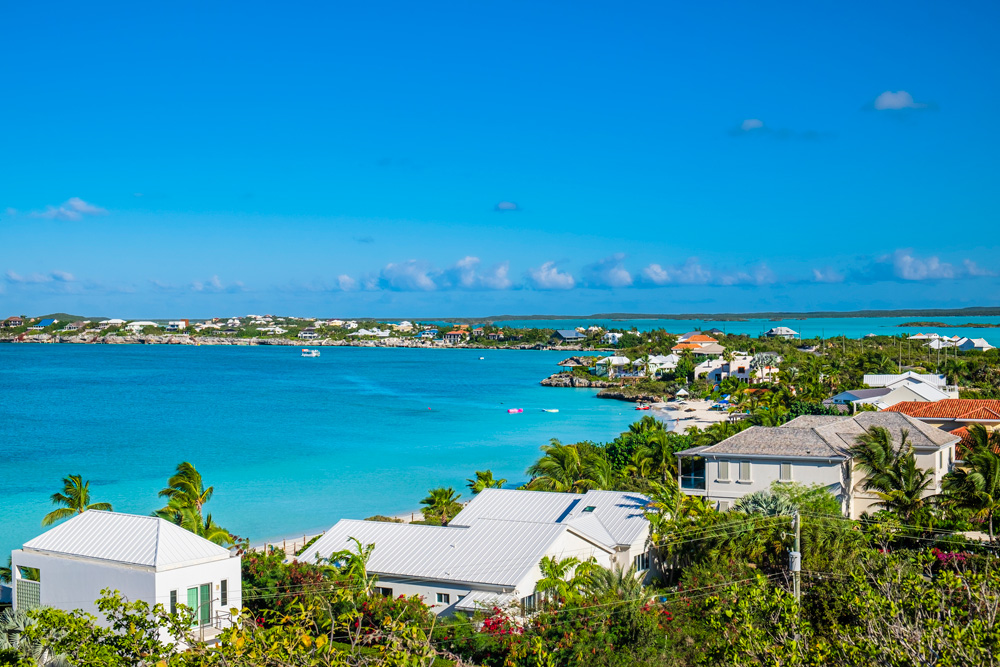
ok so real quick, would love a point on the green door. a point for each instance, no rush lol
(205, 615)
(192, 603)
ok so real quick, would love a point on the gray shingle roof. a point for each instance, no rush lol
(826, 436)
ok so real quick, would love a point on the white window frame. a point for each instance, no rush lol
(444, 598)
(641, 561)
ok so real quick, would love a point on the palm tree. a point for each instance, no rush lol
(75, 499)
(648, 424)
(354, 565)
(980, 438)
(561, 468)
(660, 452)
(7, 573)
(600, 472)
(891, 471)
(976, 485)
(484, 480)
(442, 504)
(187, 488)
(564, 578)
(616, 584)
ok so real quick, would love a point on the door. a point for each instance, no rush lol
(192, 603)
(205, 599)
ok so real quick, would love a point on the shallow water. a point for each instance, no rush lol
(290, 444)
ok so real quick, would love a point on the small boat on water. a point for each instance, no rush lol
(642, 406)
(306, 352)
(550, 410)
(514, 411)
(481, 358)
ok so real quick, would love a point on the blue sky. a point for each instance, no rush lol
(467, 159)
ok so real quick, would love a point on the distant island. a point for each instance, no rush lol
(967, 325)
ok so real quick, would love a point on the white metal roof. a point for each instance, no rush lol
(490, 552)
(884, 380)
(616, 519)
(127, 538)
(484, 600)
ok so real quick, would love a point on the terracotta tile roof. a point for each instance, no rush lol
(700, 338)
(686, 346)
(959, 409)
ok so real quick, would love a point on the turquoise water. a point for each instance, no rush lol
(290, 444)
(828, 327)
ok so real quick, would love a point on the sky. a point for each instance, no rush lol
(472, 159)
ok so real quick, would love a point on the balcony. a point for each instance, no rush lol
(693, 482)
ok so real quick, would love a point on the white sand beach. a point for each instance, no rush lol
(692, 413)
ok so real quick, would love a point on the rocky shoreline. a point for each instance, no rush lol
(633, 397)
(567, 380)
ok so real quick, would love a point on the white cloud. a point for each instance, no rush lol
(973, 269)
(408, 276)
(214, 285)
(751, 124)
(909, 267)
(466, 274)
(608, 272)
(39, 278)
(62, 276)
(758, 275)
(548, 276)
(506, 207)
(689, 273)
(890, 101)
(73, 208)
(827, 275)
(346, 283)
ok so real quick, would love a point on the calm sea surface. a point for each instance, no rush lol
(290, 444)
(852, 327)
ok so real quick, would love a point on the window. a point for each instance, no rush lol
(784, 471)
(224, 593)
(381, 590)
(461, 597)
(744, 471)
(641, 562)
(589, 508)
(173, 602)
(444, 598)
(724, 505)
(724, 471)
(530, 603)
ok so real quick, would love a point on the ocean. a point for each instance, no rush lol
(827, 327)
(290, 444)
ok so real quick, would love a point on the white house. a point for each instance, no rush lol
(139, 325)
(912, 380)
(978, 344)
(176, 325)
(781, 332)
(656, 363)
(145, 558)
(489, 554)
(107, 324)
(612, 366)
(808, 450)
(611, 337)
(718, 369)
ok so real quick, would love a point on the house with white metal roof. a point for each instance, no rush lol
(143, 557)
(489, 554)
(615, 365)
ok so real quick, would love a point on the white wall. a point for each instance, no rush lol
(763, 472)
(75, 583)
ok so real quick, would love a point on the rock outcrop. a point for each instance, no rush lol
(567, 380)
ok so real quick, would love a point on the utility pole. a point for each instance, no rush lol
(795, 558)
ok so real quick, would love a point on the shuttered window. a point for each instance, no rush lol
(724, 470)
(744, 471)
(785, 472)
(224, 593)
(173, 602)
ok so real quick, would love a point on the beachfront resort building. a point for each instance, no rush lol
(489, 554)
(143, 557)
(812, 449)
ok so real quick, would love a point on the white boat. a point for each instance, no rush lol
(549, 410)
(309, 353)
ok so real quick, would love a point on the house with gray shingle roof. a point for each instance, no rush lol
(812, 449)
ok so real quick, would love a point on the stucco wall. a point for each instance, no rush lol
(763, 472)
